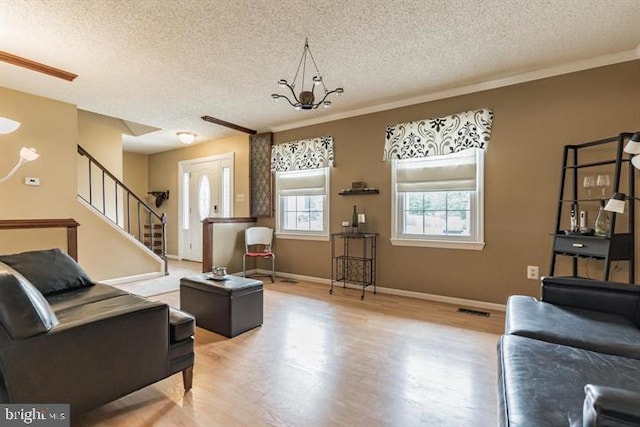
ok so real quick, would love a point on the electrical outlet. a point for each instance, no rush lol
(533, 272)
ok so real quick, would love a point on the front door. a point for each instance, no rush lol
(205, 192)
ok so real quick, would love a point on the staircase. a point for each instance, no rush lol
(154, 241)
(121, 206)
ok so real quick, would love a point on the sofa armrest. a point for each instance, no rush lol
(610, 407)
(595, 295)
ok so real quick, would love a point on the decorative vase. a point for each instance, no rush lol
(603, 222)
(354, 220)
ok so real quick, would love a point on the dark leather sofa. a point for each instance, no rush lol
(572, 358)
(66, 339)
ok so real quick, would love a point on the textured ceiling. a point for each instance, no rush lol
(165, 63)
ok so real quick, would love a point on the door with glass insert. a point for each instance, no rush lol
(201, 200)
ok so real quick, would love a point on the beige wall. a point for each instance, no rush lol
(228, 246)
(163, 174)
(101, 136)
(52, 128)
(135, 173)
(532, 122)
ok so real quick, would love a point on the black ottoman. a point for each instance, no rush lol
(228, 307)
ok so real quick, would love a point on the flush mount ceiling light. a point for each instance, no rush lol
(186, 137)
(305, 100)
(8, 125)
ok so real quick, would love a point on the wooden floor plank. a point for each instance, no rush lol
(330, 360)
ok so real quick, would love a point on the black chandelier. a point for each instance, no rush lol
(305, 100)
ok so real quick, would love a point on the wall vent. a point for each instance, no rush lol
(474, 312)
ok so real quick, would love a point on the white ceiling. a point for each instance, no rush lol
(166, 63)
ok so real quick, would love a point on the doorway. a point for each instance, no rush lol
(206, 190)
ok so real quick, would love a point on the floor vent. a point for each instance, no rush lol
(287, 280)
(474, 312)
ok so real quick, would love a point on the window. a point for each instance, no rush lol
(438, 201)
(185, 200)
(204, 197)
(226, 192)
(303, 205)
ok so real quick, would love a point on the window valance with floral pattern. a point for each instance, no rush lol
(304, 154)
(438, 136)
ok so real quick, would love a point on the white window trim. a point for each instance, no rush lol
(430, 242)
(303, 235)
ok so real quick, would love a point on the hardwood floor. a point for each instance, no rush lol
(330, 360)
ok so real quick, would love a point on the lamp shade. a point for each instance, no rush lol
(8, 125)
(633, 146)
(28, 154)
(616, 203)
(186, 137)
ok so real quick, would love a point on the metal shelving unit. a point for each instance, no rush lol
(356, 262)
(614, 246)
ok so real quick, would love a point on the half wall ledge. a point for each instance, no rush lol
(69, 223)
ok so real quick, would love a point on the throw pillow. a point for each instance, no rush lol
(23, 310)
(48, 270)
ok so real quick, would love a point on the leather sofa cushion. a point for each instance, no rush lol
(48, 270)
(586, 329)
(23, 310)
(542, 384)
(64, 300)
(103, 310)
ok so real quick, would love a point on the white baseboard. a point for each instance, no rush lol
(173, 257)
(399, 292)
(135, 278)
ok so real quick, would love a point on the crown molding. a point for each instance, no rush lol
(571, 67)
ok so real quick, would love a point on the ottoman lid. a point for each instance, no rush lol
(233, 285)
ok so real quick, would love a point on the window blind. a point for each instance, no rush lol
(454, 172)
(298, 183)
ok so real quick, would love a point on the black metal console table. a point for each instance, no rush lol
(356, 263)
(616, 245)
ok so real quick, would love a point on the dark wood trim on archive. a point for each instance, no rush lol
(228, 125)
(69, 223)
(36, 66)
(207, 238)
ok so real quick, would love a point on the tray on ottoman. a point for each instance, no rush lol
(228, 307)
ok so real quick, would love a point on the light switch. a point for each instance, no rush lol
(32, 181)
